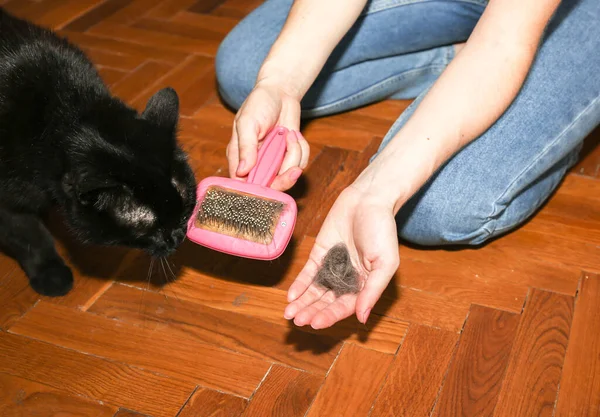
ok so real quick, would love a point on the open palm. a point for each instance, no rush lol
(368, 229)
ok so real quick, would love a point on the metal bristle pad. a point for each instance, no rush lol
(238, 214)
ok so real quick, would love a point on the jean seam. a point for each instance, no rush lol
(391, 4)
(493, 217)
(376, 87)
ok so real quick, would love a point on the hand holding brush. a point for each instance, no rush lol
(267, 106)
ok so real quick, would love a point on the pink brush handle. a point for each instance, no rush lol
(270, 157)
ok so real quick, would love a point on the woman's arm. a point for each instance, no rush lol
(470, 95)
(311, 32)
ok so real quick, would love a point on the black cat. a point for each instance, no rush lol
(119, 177)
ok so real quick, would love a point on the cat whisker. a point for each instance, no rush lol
(171, 270)
(162, 291)
(170, 280)
(148, 275)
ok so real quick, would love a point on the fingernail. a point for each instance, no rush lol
(294, 175)
(366, 315)
(293, 136)
(299, 135)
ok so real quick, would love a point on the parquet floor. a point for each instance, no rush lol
(509, 330)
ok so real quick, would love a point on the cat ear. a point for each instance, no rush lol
(163, 108)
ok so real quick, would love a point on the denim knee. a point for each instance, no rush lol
(235, 73)
(437, 223)
(472, 212)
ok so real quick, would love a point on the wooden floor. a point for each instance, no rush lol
(512, 329)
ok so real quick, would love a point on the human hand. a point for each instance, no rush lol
(265, 107)
(366, 225)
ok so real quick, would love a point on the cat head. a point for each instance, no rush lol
(128, 182)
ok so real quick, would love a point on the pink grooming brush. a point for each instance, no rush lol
(247, 219)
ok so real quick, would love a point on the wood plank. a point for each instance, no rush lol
(319, 131)
(209, 403)
(128, 413)
(352, 384)
(531, 382)
(309, 193)
(151, 38)
(572, 211)
(475, 376)
(16, 295)
(191, 81)
(169, 8)
(239, 333)
(111, 76)
(388, 110)
(61, 13)
(214, 122)
(131, 12)
(204, 6)
(206, 157)
(138, 81)
(209, 28)
(165, 352)
(257, 301)
(528, 244)
(580, 383)
(416, 306)
(22, 397)
(412, 385)
(207, 22)
(17, 7)
(284, 392)
(87, 40)
(92, 266)
(114, 60)
(490, 269)
(97, 14)
(466, 283)
(349, 170)
(589, 164)
(80, 374)
(236, 8)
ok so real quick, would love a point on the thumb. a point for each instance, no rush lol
(247, 133)
(376, 283)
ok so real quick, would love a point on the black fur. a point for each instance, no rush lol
(119, 177)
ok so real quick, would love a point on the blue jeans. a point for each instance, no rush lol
(397, 49)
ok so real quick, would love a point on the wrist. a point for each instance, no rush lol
(283, 79)
(374, 185)
(400, 170)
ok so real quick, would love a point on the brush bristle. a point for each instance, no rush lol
(239, 215)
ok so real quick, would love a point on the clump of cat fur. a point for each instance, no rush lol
(337, 273)
(118, 176)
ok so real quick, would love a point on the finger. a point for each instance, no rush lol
(287, 179)
(376, 283)
(305, 150)
(293, 153)
(247, 132)
(290, 115)
(303, 281)
(340, 309)
(232, 153)
(312, 294)
(306, 315)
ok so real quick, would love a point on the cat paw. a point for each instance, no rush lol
(53, 280)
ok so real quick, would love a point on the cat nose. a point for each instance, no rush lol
(175, 238)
